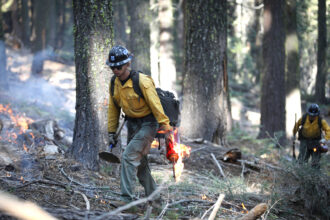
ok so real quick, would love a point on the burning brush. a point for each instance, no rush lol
(176, 152)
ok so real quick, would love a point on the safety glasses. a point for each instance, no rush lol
(116, 67)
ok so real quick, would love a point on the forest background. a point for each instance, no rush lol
(230, 80)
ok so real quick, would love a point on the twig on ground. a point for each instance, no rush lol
(207, 211)
(87, 186)
(189, 200)
(148, 212)
(131, 204)
(201, 148)
(268, 211)
(216, 207)
(243, 169)
(160, 216)
(43, 182)
(218, 165)
(86, 200)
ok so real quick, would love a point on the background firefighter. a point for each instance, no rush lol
(309, 128)
(144, 116)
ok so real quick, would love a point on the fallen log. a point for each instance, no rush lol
(256, 212)
(73, 214)
(216, 207)
(22, 209)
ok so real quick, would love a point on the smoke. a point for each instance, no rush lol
(50, 94)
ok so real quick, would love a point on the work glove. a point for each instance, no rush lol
(112, 139)
(165, 129)
(323, 141)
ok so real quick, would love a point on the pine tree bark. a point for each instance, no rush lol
(3, 57)
(254, 37)
(40, 12)
(154, 43)
(178, 38)
(204, 95)
(293, 96)
(120, 22)
(321, 75)
(273, 81)
(167, 71)
(139, 38)
(93, 31)
(26, 28)
(51, 27)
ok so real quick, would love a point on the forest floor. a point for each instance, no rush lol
(62, 186)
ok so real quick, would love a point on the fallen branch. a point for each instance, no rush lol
(218, 165)
(87, 186)
(72, 214)
(86, 200)
(216, 207)
(189, 200)
(256, 212)
(148, 213)
(201, 148)
(131, 204)
(243, 169)
(207, 211)
(160, 216)
(22, 209)
(43, 182)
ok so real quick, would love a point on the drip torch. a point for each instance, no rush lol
(171, 154)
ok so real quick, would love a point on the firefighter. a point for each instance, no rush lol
(309, 128)
(144, 117)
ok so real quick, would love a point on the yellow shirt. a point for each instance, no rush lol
(132, 105)
(311, 129)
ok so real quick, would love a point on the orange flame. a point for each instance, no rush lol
(21, 123)
(103, 202)
(155, 144)
(314, 149)
(182, 151)
(25, 148)
(245, 210)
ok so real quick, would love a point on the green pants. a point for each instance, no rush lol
(134, 159)
(306, 150)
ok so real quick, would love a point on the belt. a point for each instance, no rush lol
(148, 118)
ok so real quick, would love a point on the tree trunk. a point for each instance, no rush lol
(26, 28)
(51, 26)
(154, 43)
(254, 37)
(321, 75)
(3, 58)
(15, 18)
(273, 82)
(139, 19)
(204, 96)
(60, 23)
(293, 97)
(93, 25)
(167, 71)
(40, 12)
(120, 22)
(178, 33)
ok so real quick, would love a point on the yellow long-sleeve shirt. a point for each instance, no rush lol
(132, 105)
(311, 129)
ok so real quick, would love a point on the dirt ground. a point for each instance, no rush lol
(68, 191)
